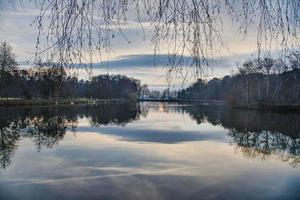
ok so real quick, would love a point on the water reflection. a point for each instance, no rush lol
(8, 142)
(47, 126)
(255, 134)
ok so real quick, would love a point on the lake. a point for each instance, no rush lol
(148, 151)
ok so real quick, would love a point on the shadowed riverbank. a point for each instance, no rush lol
(41, 102)
(45, 102)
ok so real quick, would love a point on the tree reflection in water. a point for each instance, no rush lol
(260, 135)
(8, 142)
(47, 126)
(112, 114)
(256, 134)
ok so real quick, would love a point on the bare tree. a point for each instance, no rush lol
(76, 30)
(8, 61)
(265, 66)
(8, 64)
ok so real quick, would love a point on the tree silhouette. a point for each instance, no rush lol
(187, 27)
(8, 64)
(76, 31)
(260, 83)
(9, 136)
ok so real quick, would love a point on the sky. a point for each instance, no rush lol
(134, 58)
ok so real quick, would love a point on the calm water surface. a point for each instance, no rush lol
(148, 151)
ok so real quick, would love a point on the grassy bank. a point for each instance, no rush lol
(26, 102)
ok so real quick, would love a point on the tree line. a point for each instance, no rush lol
(264, 81)
(48, 80)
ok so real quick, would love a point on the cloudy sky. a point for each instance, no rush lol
(134, 58)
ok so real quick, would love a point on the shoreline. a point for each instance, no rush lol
(45, 102)
(265, 107)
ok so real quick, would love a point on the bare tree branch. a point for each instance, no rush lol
(74, 31)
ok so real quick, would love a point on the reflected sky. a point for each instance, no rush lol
(152, 151)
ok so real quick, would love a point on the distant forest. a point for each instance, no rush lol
(50, 84)
(265, 81)
(50, 81)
